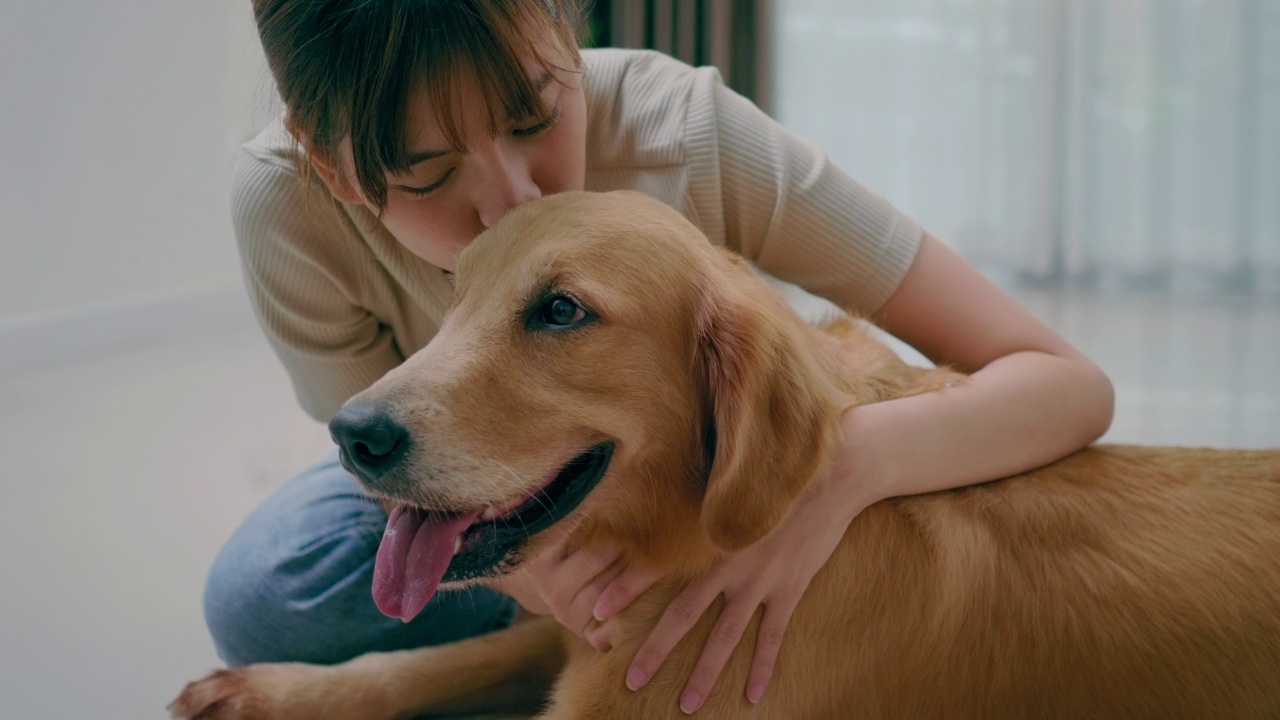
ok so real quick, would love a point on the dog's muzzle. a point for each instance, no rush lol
(371, 444)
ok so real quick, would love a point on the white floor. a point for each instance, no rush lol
(127, 471)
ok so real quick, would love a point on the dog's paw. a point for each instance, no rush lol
(221, 696)
(254, 692)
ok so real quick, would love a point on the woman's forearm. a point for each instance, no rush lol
(1020, 412)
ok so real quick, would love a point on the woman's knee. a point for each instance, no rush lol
(294, 582)
(310, 607)
(294, 572)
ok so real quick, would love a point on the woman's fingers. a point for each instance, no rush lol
(725, 636)
(583, 605)
(773, 627)
(561, 579)
(623, 590)
(674, 624)
(617, 588)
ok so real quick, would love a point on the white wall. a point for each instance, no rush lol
(119, 121)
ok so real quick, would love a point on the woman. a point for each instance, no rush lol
(413, 125)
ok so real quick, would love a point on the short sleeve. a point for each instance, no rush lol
(796, 215)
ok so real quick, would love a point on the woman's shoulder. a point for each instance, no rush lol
(265, 180)
(265, 183)
(273, 145)
(277, 210)
(611, 66)
(638, 103)
(629, 80)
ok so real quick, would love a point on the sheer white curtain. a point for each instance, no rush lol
(1105, 142)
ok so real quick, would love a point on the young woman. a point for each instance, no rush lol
(413, 125)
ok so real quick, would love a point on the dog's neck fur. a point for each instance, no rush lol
(863, 368)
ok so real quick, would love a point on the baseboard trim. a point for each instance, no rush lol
(42, 339)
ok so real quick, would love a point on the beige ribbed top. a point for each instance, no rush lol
(342, 302)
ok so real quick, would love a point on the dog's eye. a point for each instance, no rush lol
(560, 311)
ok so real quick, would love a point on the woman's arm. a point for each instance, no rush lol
(1032, 398)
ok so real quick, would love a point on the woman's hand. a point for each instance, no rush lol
(772, 574)
(584, 588)
(569, 585)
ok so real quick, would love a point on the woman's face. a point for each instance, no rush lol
(446, 198)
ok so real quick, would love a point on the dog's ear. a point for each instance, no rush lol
(775, 412)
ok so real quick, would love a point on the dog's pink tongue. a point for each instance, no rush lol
(415, 552)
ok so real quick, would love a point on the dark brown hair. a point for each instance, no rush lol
(347, 68)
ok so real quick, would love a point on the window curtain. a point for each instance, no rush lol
(733, 35)
(1125, 143)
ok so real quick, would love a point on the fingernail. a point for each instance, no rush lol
(689, 702)
(755, 692)
(602, 611)
(636, 679)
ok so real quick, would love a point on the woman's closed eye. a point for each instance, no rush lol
(541, 127)
(428, 189)
(520, 132)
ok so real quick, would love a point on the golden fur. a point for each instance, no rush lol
(1119, 582)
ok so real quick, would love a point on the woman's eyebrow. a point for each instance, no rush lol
(542, 82)
(422, 156)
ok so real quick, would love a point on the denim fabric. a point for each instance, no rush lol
(294, 582)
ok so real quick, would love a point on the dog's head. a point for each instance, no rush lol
(602, 370)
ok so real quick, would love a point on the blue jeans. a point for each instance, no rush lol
(294, 582)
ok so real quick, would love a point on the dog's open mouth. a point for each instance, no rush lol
(421, 549)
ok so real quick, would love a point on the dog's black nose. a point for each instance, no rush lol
(372, 441)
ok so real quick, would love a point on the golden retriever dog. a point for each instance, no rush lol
(605, 372)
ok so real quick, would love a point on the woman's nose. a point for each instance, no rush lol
(509, 183)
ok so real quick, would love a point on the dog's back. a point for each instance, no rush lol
(1119, 582)
(1136, 581)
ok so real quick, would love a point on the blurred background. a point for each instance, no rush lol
(1114, 164)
